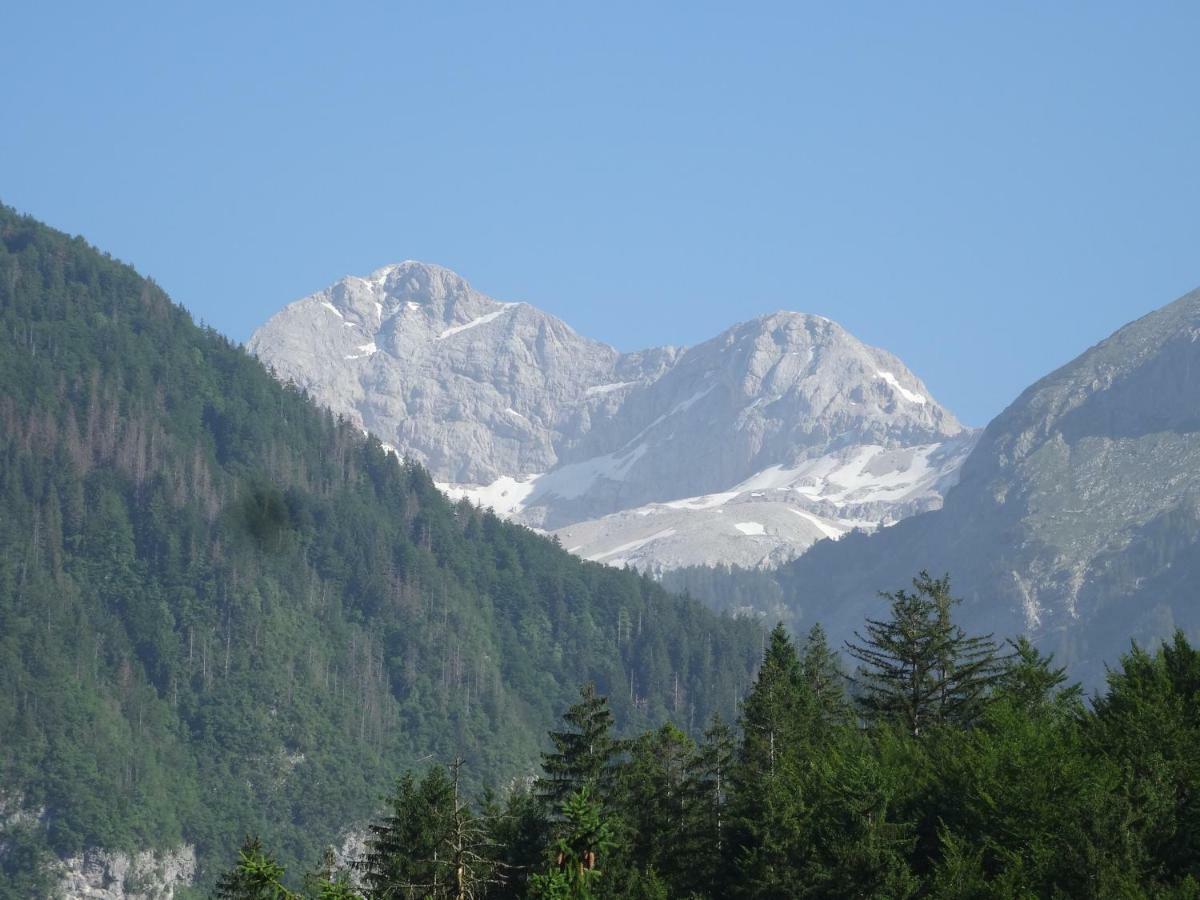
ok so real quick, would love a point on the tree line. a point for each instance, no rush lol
(943, 765)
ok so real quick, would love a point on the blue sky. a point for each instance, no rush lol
(983, 189)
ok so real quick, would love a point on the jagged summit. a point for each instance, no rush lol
(508, 405)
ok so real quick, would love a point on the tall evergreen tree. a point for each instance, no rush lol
(770, 812)
(705, 841)
(824, 678)
(774, 709)
(408, 851)
(918, 667)
(652, 800)
(583, 753)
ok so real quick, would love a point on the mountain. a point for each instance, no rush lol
(1076, 518)
(224, 611)
(745, 449)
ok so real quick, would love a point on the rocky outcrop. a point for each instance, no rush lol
(110, 875)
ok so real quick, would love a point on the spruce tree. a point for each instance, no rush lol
(774, 709)
(705, 841)
(651, 802)
(824, 678)
(257, 876)
(918, 667)
(770, 815)
(408, 852)
(583, 753)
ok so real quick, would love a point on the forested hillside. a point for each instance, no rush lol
(223, 611)
(947, 766)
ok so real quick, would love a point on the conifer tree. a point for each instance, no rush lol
(824, 678)
(651, 802)
(407, 853)
(773, 711)
(584, 836)
(583, 753)
(918, 668)
(770, 817)
(257, 876)
(705, 841)
(1032, 682)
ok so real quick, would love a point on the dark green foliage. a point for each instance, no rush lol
(1149, 724)
(584, 836)
(257, 876)
(431, 845)
(520, 832)
(406, 851)
(224, 611)
(1034, 796)
(919, 668)
(583, 753)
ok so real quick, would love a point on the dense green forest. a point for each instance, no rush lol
(223, 611)
(943, 766)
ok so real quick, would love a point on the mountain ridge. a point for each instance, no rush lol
(510, 407)
(1075, 519)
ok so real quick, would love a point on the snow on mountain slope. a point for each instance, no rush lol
(747, 448)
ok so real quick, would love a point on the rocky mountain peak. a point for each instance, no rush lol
(507, 404)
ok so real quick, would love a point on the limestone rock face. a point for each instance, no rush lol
(634, 457)
(109, 875)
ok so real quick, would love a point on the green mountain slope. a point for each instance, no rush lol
(222, 610)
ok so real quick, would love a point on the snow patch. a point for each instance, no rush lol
(333, 309)
(608, 388)
(504, 496)
(910, 396)
(367, 350)
(632, 545)
(482, 320)
(574, 480)
(828, 530)
(750, 528)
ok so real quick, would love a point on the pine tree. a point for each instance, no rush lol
(257, 876)
(583, 753)
(520, 830)
(770, 816)
(918, 667)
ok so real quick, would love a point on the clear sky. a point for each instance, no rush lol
(985, 189)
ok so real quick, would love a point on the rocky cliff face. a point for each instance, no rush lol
(108, 875)
(747, 448)
(1077, 516)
